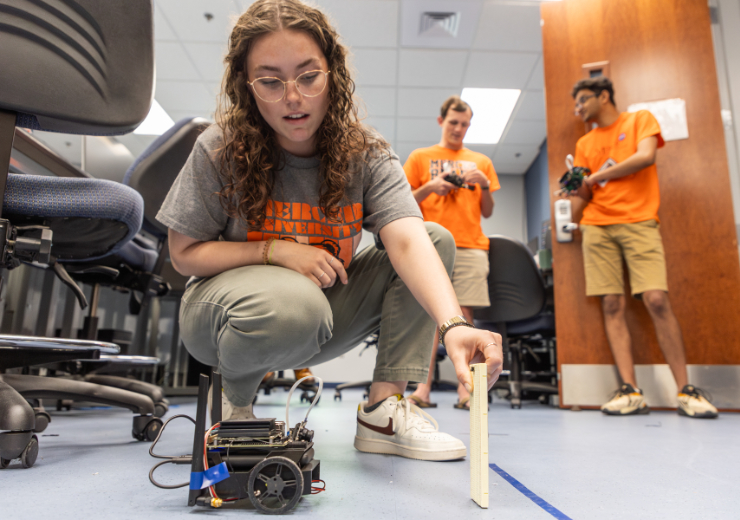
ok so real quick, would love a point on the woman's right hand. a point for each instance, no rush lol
(312, 262)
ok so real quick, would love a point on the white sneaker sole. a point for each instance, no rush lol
(391, 448)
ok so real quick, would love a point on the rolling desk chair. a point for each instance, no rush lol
(99, 54)
(518, 296)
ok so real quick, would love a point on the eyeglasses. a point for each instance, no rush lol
(581, 100)
(272, 90)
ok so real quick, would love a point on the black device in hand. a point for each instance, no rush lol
(573, 179)
(455, 179)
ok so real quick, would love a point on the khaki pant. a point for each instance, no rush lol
(641, 247)
(255, 319)
(470, 277)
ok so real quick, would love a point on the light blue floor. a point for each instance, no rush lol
(583, 464)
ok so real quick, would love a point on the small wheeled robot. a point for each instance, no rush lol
(573, 178)
(257, 459)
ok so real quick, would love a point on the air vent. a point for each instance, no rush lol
(439, 24)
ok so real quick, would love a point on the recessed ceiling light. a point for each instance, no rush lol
(492, 108)
(157, 121)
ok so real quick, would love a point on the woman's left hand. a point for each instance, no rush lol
(466, 345)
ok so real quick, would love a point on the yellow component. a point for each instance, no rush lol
(216, 502)
(359, 407)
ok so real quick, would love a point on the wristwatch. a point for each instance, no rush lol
(455, 321)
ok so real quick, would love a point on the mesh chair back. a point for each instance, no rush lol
(155, 170)
(77, 66)
(515, 285)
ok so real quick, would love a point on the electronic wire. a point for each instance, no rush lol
(315, 399)
(169, 459)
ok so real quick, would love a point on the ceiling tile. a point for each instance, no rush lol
(187, 19)
(208, 59)
(515, 155)
(525, 132)
(364, 23)
(185, 96)
(486, 149)
(378, 101)
(173, 62)
(432, 68)
(509, 27)
(531, 106)
(162, 29)
(422, 102)
(499, 69)
(374, 67)
(537, 79)
(418, 129)
(386, 126)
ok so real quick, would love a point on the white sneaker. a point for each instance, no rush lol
(628, 400)
(397, 427)
(229, 412)
(693, 402)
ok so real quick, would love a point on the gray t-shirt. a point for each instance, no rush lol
(376, 194)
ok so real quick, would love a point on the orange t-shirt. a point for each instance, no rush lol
(634, 198)
(458, 211)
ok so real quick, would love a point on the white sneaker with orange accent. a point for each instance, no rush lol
(628, 400)
(398, 427)
(693, 402)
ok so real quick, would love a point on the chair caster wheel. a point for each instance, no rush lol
(337, 396)
(64, 404)
(160, 409)
(305, 396)
(42, 421)
(28, 457)
(516, 404)
(4, 463)
(146, 428)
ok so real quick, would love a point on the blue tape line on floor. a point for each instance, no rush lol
(529, 494)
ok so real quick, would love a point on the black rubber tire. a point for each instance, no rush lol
(42, 421)
(28, 457)
(266, 485)
(152, 429)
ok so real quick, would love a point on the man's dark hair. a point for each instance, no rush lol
(597, 85)
(455, 103)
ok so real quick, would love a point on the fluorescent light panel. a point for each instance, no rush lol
(157, 121)
(492, 108)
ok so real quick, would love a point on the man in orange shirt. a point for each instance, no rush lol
(621, 222)
(459, 209)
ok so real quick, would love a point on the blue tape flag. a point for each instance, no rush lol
(529, 494)
(209, 477)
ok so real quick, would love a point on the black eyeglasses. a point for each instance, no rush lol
(581, 100)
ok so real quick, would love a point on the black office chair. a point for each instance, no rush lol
(518, 297)
(84, 67)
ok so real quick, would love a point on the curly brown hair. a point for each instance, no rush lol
(251, 152)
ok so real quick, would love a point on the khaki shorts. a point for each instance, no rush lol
(642, 249)
(470, 277)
